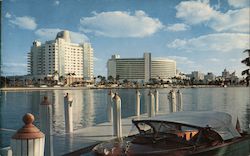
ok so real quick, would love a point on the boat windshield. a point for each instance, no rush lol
(145, 128)
(160, 129)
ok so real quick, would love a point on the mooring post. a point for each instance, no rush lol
(179, 101)
(68, 101)
(45, 116)
(138, 103)
(172, 101)
(110, 106)
(156, 101)
(117, 123)
(28, 140)
(151, 106)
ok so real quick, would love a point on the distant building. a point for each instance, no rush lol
(61, 56)
(141, 69)
(196, 75)
(209, 77)
(230, 78)
(225, 74)
(163, 68)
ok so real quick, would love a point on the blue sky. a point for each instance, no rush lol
(200, 35)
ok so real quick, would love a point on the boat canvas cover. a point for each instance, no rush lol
(218, 121)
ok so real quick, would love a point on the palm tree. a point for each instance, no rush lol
(70, 75)
(103, 80)
(56, 75)
(61, 78)
(246, 61)
(94, 80)
(100, 78)
(110, 78)
(117, 78)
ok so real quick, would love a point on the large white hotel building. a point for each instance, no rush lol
(141, 69)
(61, 56)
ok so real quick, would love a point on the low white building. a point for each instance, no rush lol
(141, 69)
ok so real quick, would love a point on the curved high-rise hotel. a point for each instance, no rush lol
(61, 56)
(141, 69)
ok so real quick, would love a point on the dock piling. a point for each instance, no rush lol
(110, 106)
(156, 101)
(151, 106)
(28, 140)
(172, 101)
(45, 116)
(179, 101)
(68, 100)
(138, 103)
(117, 123)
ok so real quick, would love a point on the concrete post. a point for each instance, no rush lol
(179, 101)
(6, 151)
(138, 103)
(68, 100)
(110, 106)
(45, 115)
(151, 106)
(29, 140)
(172, 101)
(156, 101)
(117, 123)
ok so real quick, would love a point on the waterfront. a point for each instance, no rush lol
(89, 106)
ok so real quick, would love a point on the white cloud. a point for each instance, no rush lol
(121, 24)
(234, 21)
(214, 60)
(185, 64)
(239, 3)
(200, 12)
(177, 27)
(50, 34)
(177, 43)
(56, 3)
(181, 60)
(222, 42)
(8, 15)
(194, 12)
(24, 22)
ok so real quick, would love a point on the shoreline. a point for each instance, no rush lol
(83, 88)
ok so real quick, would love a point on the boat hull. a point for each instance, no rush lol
(239, 147)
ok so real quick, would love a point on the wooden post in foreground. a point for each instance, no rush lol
(28, 140)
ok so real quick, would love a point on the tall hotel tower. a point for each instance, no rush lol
(61, 56)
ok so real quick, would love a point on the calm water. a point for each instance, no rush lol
(89, 106)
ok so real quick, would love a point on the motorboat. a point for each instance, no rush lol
(205, 133)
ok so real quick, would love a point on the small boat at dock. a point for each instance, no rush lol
(205, 133)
